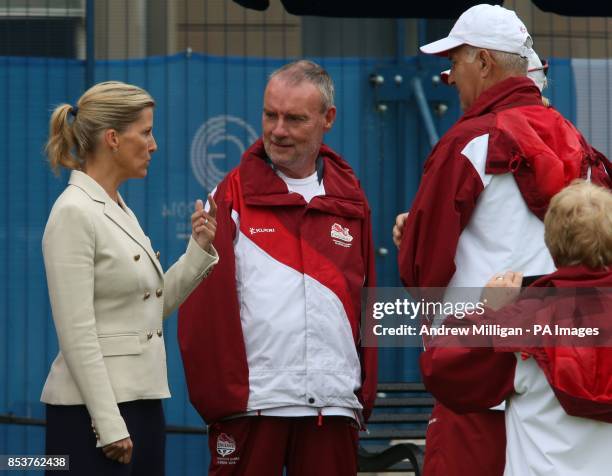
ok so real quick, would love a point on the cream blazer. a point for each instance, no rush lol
(109, 296)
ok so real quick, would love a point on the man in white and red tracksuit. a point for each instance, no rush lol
(271, 344)
(480, 204)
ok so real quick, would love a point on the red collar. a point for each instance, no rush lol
(578, 276)
(511, 92)
(261, 186)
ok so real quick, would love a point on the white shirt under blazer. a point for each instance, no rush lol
(109, 296)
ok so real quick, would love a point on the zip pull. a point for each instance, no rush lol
(320, 418)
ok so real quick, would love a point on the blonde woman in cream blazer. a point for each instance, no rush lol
(109, 294)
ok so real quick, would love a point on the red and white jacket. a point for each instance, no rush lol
(486, 187)
(478, 211)
(558, 399)
(277, 323)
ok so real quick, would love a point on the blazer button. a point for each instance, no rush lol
(136, 257)
(159, 292)
(159, 333)
(149, 335)
(157, 254)
(147, 295)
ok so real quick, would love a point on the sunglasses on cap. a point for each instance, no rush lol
(544, 67)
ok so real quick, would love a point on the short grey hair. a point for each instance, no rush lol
(510, 62)
(305, 70)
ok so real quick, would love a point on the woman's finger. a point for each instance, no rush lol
(205, 231)
(195, 216)
(518, 279)
(209, 219)
(112, 453)
(512, 279)
(129, 447)
(198, 210)
(204, 225)
(202, 218)
(128, 454)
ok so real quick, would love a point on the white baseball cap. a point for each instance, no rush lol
(536, 71)
(485, 26)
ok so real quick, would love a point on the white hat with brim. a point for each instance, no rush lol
(536, 72)
(442, 47)
(485, 26)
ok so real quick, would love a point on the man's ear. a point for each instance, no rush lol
(330, 117)
(486, 62)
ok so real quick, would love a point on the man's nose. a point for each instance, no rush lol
(279, 129)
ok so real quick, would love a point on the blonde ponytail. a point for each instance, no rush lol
(61, 140)
(108, 105)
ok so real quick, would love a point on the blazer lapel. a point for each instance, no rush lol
(124, 219)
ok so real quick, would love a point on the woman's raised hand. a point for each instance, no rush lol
(204, 224)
